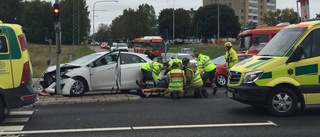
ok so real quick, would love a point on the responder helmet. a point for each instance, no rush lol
(175, 64)
(228, 44)
(185, 61)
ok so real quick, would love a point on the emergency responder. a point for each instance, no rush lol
(179, 61)
(204, 63)
(175, 79)
(231, 56)
(151, 71)
(194, 82)
(149, 52)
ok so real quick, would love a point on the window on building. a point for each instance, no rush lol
(241, 17)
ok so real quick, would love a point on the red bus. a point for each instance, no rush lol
(140, 44)
(263, 34)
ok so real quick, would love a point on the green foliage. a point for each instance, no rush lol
(134, 24)
(285, 15)
(207, 19)
(10, 11)
(102, 34)
(36, 16)
(66, 17)
(182, 22)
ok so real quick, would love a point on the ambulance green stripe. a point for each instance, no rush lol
(309, 69)
(249, 66)
(263, 63)
(266, 75)
(14, 45)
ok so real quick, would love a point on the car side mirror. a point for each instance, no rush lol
(91, 65)
(296, 55)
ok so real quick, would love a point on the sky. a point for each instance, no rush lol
(111, 10)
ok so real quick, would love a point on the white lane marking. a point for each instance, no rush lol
(268, 123)
(10, 128)
(21, 113)
(13, 120)
(207, 125)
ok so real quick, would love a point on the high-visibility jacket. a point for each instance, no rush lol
(204, 62)
(153, 67)
(193, 76)
(179, 61)
(176, 80)
(231, 58)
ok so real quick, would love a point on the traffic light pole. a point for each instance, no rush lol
(57, 28)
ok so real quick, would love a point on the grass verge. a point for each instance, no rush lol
(39, 55)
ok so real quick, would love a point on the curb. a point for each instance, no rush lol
(59, 99)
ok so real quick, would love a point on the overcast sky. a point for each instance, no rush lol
(114, 9)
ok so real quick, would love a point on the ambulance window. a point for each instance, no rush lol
(3, 45)
(311, 44)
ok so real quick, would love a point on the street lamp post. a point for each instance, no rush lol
(93, 17)
(173, 24)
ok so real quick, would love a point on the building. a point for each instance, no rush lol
(247, 10)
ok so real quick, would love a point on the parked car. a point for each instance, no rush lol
(163, 59)
(99, 71)
(184, 55)
(104, 45)
(255, 49)
(187, 50)
(221, 73)
(119, 46)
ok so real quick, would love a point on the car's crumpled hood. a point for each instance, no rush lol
(62, 67)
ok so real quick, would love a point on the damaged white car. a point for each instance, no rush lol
(101, 71)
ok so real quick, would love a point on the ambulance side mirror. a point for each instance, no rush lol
(296, 55)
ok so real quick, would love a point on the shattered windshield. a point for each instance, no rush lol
(281, 42)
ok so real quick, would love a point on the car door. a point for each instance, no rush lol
(102, 72)
(307, 69)
(130, 70)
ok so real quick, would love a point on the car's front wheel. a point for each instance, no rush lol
(282, 102)
(221, 80)
(79, 87)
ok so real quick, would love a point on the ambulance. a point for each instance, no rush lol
(285, 76)
(15, 70)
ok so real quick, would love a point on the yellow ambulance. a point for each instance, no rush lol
(15, 70)
(285, 76)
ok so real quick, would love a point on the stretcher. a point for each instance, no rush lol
(153, 89)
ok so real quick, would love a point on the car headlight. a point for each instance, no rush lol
(251, 77)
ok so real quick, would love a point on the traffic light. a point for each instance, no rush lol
(56, 12)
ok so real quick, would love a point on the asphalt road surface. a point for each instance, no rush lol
(216, 115)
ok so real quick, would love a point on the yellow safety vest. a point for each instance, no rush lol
(153, 67)
(196, 78)
(231, 58)
(179, 61)
(204, 62)
(176, 79)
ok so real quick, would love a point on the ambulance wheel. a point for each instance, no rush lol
(79, 87)
(221, 81)
(282, 102)
(2, 110)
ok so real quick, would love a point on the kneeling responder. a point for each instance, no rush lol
(151, 71)
(204, 62)
(173, 60)
(194, 82)
(175, 79)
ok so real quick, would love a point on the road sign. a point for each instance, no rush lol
(218, 41)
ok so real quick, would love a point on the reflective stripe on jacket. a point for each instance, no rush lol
(175, 80)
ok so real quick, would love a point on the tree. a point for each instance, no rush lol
(207, 18)
(11, 11)
(102, 34)
(36, 16)
(286, 15)
(66, 7)
(182, 22)
(250, 23)
(133, 23)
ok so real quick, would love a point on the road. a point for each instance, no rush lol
(216, 115)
